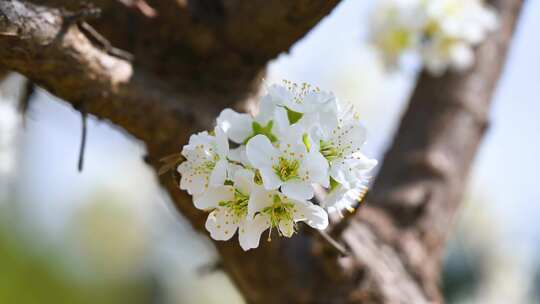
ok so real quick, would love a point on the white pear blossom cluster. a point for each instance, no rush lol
(257, 173)
(442, 32)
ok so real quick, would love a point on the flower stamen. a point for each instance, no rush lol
(238, 205)
(280, 210)
(329, 150)
(287, 169)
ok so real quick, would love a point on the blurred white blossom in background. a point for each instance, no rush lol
(442, 32)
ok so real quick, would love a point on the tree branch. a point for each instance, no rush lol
(220, 47)
(424, 174)
(65, 62)
(396, 242)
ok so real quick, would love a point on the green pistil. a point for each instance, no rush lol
(287, 169)
(293, 116)
(238, 205)
(258, 178)
(263, 130)
(280, 210)
(329, 151)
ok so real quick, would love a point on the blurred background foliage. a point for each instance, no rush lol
(35, 274)
(110, 235)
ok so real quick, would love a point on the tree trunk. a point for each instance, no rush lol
(192, 58)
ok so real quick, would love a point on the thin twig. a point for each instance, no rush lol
(210, 267)
(80, 15)
(334, 243)
(79, 18)
(104, 43)
(73, 18)
(83, 140)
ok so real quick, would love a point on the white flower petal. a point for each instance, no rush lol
(221, 224)
(325, 123)
(243, 180)
(313, 215)
(316, 166)
(352, 170)
(270, 180)
(197, 148)
(258, 200)
(193, 183)
(221, 143)
(364, 163)
(280, 94)
(238, 126)
(334, 196)
(219, 173)
(319, 101)
(266, 109)
(286, 227)
(281, 121)
(297, 190)
(239, 155)
(232, 168)
(345, 175)
(341, 198)
(201, 138)
(353, 137)
(250, 232)
(210, 198)
(292, 140)
(260, 151)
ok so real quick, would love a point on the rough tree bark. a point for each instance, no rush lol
(192, 58)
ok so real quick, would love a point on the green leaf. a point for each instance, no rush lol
(293, 116)
(263, 130)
